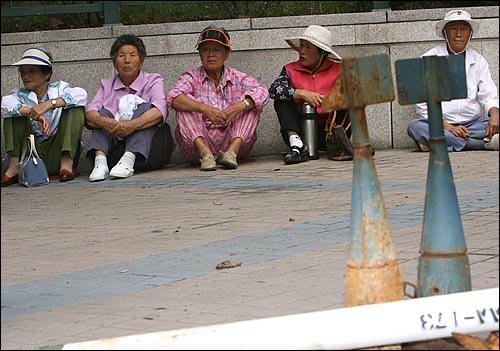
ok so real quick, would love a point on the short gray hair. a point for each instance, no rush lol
(128, 39)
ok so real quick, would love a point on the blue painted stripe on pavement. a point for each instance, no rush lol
(152, 271)
(256, 183)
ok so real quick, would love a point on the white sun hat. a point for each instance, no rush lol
(318, 36)
(35, 57)
(456, 15)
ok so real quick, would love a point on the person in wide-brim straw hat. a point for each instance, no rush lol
(306, 81)
(470, 123)
(318, 36)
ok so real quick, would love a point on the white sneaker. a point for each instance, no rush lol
(121, 170)
(491, 144)
(100, 172)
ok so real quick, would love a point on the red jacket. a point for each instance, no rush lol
(321, 81)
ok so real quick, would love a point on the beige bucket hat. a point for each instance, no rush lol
(456, 15)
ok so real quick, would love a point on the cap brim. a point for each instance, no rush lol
(28, 61)
(294, 42)
(213, 41)
(441, 24)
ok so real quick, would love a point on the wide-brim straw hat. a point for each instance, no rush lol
(456, 15)
(318, 36)
(35, 57)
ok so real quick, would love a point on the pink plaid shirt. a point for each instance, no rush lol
(234, 86)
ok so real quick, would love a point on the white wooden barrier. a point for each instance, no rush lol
(388, 323)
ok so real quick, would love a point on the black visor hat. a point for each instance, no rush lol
(218, 35)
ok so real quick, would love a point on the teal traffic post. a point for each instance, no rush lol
(372, 273)
(443, 266)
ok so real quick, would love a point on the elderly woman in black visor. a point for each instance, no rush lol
(217, 107)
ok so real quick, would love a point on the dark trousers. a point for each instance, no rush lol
(290, 118)
(153, 146)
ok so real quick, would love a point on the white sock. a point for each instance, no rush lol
(100, 160)
(296, 141)
(128, 158)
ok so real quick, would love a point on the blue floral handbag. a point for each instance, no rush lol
(32, 170)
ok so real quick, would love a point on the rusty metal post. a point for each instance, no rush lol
(372, 272)
(443, 266)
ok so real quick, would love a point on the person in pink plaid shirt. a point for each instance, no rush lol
(217, 107)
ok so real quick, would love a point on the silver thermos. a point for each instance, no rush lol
(310, 130)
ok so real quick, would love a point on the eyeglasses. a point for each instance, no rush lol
(206, 51)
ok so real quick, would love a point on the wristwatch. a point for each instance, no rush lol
(54, 103)
(247, 104)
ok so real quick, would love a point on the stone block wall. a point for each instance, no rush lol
(81, 57)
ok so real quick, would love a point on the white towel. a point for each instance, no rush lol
(127, 106)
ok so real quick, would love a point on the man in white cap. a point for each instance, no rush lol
(470, 123)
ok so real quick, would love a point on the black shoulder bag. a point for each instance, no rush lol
(338, 132)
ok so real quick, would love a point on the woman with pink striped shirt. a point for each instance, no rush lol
(217, 107)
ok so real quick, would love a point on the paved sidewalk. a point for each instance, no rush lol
(84, 261)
